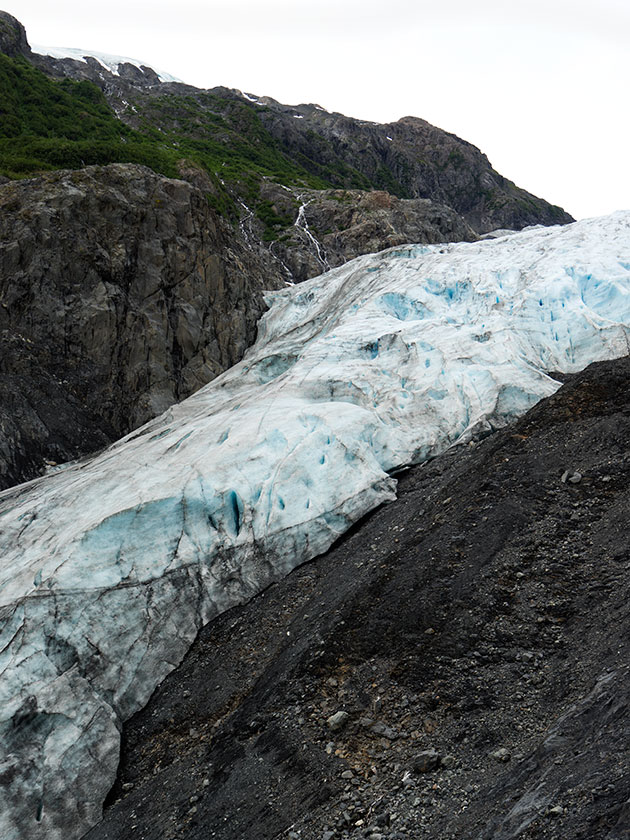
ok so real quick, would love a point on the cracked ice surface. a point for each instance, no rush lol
(110, 566)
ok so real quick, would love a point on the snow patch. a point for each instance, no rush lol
(107, 61)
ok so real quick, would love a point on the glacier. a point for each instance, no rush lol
(106, 60)
(110, 566)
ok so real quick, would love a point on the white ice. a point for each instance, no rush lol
(107, 61)
(110, 566)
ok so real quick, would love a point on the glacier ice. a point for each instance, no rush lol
(111, 565)
(106, 60)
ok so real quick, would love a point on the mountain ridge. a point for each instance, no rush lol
(423, 161)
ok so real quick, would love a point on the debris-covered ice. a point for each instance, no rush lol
(110, 566)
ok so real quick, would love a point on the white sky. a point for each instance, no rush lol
(541, 86)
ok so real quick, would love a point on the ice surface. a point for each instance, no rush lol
(107, 61)
(110, 566)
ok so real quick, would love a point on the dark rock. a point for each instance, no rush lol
(337, 721)
(426, 761)
(121, 293)
(13, 37)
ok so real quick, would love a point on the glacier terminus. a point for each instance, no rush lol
(110, 566)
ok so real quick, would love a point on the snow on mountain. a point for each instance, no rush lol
(111, 565)
(107, 61)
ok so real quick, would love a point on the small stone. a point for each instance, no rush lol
(575, 478)
(426, 761)
(556, 811)
(449, 761)
(347, 774)
(501, 755)
(381, 730)
(337, 721)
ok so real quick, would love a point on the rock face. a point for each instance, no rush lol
(121, 292)
(13, 37)
(412, 159)
(330, 227)
(485, 612)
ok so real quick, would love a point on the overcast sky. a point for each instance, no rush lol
(541, 86)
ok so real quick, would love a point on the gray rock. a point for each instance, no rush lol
(381, 730)
(426, 761)
(337, 721)
(122, 293)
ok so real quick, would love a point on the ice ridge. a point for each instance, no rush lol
(110, 566)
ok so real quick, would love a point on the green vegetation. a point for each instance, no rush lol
(46, 125)
(273, 222)
(384, 180)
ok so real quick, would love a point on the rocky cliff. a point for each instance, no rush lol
(121, 292)
(330, 227)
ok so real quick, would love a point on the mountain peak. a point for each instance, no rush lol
(13, 40)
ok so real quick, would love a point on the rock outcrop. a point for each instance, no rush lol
(330, 227)
(13, 40)
(410, 158)
(121, 292)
